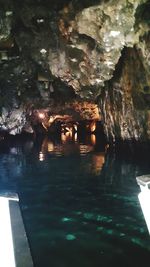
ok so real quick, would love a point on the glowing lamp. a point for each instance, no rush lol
(144, 197)
(43, 51)
(41, 115)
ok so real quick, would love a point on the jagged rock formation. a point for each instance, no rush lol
(96, 51)
(125, 101)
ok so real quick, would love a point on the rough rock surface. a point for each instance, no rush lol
(125, 101)
(95, 50)
(13, 121)
(95, 38)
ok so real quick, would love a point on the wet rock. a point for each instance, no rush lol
(80, 47)
(5, 24)
(94, 38)
(13, 121)
(123, 103)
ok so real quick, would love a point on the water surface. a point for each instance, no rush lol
(79, 202)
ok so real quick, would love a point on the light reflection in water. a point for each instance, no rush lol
(69, 145)
(98, 161)
(41, 156)
(50, 146)
(65, 137)
(64, 203)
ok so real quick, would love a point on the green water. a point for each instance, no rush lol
(79, 203)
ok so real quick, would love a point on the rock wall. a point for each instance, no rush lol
(125, 101)
(98, 51)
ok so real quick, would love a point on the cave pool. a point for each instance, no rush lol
(79, 202)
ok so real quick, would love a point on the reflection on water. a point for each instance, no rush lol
(41, 156)
(79, 201)
(98, 161)
(69, 145)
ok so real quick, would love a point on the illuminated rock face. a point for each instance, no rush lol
(90, 51)
(125, 101)
(94, 39)
(13, 121)
(5, 24)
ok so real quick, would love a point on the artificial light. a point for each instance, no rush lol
(43, 51)
(40, 20)
(41, 115)
(50, 147)
(41, 156)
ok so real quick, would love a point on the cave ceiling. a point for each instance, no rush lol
(55, 52)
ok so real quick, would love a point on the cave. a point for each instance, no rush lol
(54, 54)
(75, 130)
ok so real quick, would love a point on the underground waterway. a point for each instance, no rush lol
(79, 201)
